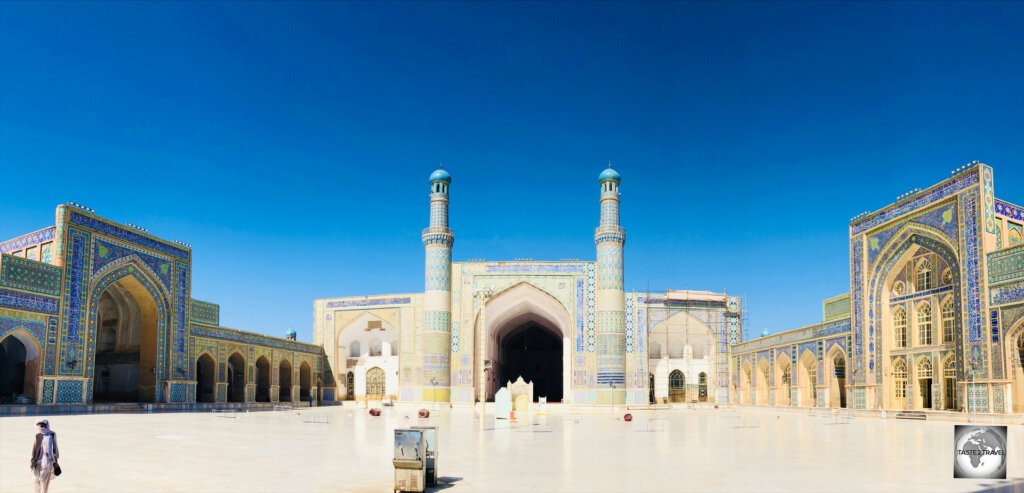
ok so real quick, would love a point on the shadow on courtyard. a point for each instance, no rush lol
(445, 482)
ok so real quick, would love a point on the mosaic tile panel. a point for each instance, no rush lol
(972, 274)
(1009, 210)
(934, 194)
(233, 335)
(125, 234)
(402, 300)
(27, 240)
(977, 398)
(77, 260)
(46, 253)
(34, 324)
(68, 391)
(106, 252)
(48, 391)
(836, 307)
(179, 392)
(1006, 265)
(941, 218)
(1014, 234)
(988, 200)
(25, 301)
(30, 276)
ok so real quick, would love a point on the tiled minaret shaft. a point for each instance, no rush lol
(437, 296)
(610, 316)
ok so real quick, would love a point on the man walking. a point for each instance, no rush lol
(44, 455)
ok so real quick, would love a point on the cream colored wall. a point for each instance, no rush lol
(336, 329)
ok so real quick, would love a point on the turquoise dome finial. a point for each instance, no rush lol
(764, 333)
(440, 175)
(609, 174)
(291, 332)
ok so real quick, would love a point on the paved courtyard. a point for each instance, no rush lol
(586, 452)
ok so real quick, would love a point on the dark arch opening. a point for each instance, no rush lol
(285, 379)
(205, 378)
(13, 361)
(262, 379)
(236, 378)
(533, 352)
(304, 384)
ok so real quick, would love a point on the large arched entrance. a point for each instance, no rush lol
(915, 282)
(236, 378)
(19, 365)
(206, 377)
(262, 379)
(127, 325)
(684, 342)
(527, 336)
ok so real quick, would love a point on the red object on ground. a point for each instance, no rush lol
(375, 412)
(424, 413)
(628, 417)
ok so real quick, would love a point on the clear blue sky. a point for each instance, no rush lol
(290, 143)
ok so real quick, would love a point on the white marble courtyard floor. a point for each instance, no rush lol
(585, 452)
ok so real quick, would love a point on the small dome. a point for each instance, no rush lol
(609, 174)
(291, 332)
(440, 175)
(764, 333)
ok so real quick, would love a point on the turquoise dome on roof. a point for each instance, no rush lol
(291, 332)
(440, 175)
(609, 174)
(764, 333)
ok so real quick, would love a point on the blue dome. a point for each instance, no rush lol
(764, 333)
(291, 332)
(609, 174)
(440, 175)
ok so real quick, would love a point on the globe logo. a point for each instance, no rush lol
(979, 452)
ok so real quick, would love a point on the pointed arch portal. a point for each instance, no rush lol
(527, 335)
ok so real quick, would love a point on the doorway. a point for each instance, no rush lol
(534, 353)
(126, 324)
(676, 386)
(205, 379)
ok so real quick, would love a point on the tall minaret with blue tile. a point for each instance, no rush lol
(437, 297)
(610, 306)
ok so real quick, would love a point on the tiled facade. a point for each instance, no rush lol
(445, 334)
(49, 302)
(933, 319)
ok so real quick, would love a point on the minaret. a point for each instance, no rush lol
(610, 306)
(437, 295)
